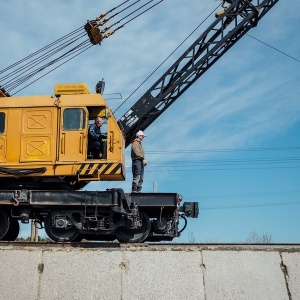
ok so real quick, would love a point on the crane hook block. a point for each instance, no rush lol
(95, 36)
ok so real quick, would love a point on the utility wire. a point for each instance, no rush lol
(250, 205)
(191, 151)
(247, 195)
(190, 164)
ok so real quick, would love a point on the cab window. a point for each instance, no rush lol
(2, 122)
(74, 119)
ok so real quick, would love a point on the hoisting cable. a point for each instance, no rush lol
(96, 35)
(37, 60)
(182, 43)
(165, 59)
(28, 67)
(40, 50)
(41, 55)
(107, 19)
(40, 58)
(101, 16)
(89, 46)
(104, 14)
(28, 76)
(274, 48)
(136, 10)
(163, 63)
(136, 15)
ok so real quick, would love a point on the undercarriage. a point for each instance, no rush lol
(95, 215)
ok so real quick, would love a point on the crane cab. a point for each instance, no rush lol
(45, 139)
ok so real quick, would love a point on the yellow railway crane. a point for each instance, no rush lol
(45, 159)
(46, 138)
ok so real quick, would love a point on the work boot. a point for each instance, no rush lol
(133, 188)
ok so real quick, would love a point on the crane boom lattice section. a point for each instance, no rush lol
(231, 24)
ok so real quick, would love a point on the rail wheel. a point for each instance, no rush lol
(13, 230)
(4, 223)
(126, 235)
(59, 234)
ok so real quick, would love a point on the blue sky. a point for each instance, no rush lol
(231, 142)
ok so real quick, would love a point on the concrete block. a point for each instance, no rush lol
(19, 274)
(136, 272)
(244, 275)
(291, 268)
(81, 274)
(167, 275)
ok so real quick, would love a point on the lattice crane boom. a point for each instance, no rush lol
(230, 25)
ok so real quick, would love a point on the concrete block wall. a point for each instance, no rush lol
(133, 272)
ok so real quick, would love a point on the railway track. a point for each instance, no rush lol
(293, 247)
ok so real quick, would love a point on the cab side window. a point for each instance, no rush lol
(2, 122)
(74, 119)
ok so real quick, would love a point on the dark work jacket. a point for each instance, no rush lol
(95, 139)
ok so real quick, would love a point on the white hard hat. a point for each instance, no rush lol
(140, 132)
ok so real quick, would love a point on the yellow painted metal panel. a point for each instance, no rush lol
(13, 133)
(35, 148)
(70, 89)
(2, 148)
(3, 126)
(38, 134)
(38, 121)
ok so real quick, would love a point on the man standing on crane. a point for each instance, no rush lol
(138, 162)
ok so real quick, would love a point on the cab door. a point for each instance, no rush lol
(73, 134)
(3, 117)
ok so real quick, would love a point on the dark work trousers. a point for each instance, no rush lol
(95, 147)
(138, 175)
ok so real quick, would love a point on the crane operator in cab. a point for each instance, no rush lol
(95, 139)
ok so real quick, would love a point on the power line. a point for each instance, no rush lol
(156, 170)
(169, 169)
(247, 195)
(222, 150)
(242, 197)
(189, 160)
(250, 205)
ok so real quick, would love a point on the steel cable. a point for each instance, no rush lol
(31, 65)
